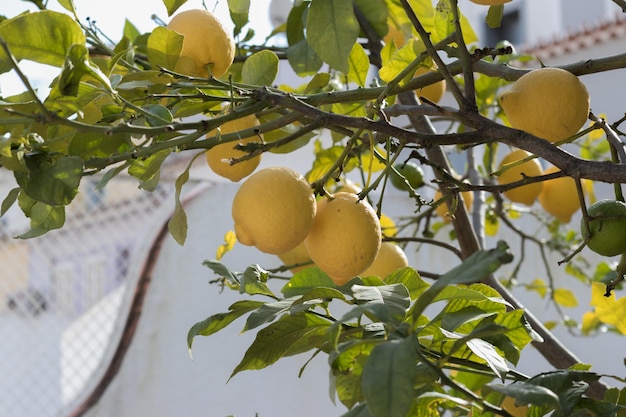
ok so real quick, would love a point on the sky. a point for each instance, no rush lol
(111, 18)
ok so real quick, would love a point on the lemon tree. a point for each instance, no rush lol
(443, 335)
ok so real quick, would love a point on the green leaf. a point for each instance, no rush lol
(296, 22)
(375, 12)
(219, 321)
(76, 66)
(303, 59)
(147, 170)
(44, 218)
(410, 279)
(528, 393)
(239, 10)
(268, 312)
(279, 338)
(177, 224)
(473, 269)
(388, 378)
(157, 114)
(494, 16)
(130, 31)
(444, 23)
(332, 30)
(51, 181)
(173, 5)
(320, 293)
(359, 65)
(219, 269)
(318, 82)
(260, 68)
(164, 47)
(43, 37)
(254, 281)
(68, 5)
(304, 281)
(394, 300)
(9, 200)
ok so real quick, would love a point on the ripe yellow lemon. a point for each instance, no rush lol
(526, 194)
(390, 258)
(345, 237)
(219, 156)
(550, 103)
(607, 223)
(442, 209)
(433, 92)
(490, 2)
(208, 48)
(273, 210)
(394, 33)
(559, 197)
(297, 255)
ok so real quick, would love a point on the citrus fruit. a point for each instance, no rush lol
(559, 196)
(394, 33)
(219, 157)
(297, 255)
(490, 2)
(550, 103)
(409, 170)
(433, 92)
(515, 410)
(442, 209)
(345, 237)
(390, 257)
(526, 194)
(348, 187)
(273, 210)
(208, 48)
(607, 224)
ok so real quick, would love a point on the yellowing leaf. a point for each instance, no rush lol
(589, 321)
(539, 286)
(358, 65)
(398, 62)
(565, 297)
(609, 310)
(229, 242)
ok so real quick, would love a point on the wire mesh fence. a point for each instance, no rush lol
(61, 294)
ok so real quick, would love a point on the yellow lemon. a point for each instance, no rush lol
(273, 210)
(345, 237)
(490, 2)
(433, 92)
(442, 209)
(394, 34)
(219, 157)
(208, 48)
(390, 258)
(297, 255)
(550, 103)
(559, 197)
(526, 194)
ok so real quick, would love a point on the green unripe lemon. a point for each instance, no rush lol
(607, 223)
(409, 170)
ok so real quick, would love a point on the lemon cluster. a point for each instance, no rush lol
(275, 210)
